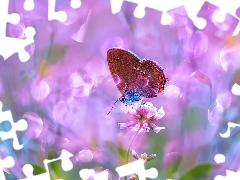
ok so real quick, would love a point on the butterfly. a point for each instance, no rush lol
(135, 78)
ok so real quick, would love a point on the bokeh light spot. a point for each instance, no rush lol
(75, 80)
(35, 123)
(81, 91)
(224, 100)
(40, 90)
(84, 156)
(172, 92)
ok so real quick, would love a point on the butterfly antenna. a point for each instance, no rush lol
(112, 106)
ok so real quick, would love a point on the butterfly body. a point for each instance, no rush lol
(131, 96)
(135, 78)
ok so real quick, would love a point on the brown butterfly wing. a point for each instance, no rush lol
(146, 75)
(123, 64)
(156, 77)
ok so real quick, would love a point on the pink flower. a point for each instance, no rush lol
(144, 115)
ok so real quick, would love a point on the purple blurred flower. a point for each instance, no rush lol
(35, 123)
(144, 115)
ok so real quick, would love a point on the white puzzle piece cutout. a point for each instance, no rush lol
(28, 5)
(75, 4)
(87, 173)
(230, 175)
(137, 167)
(7, 162)
(66, 164)
(53, 15)
(192, 8)
(9, 45)
(20, 125)
(227, 133)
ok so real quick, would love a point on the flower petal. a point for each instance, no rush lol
(145, 128)
(125, 125)
(122, 125)
(160, 113)
(134, 154)
(135, 128)
(151, 157)
(151, 113)
(155, 128)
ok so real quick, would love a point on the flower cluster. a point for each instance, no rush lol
(144, 115)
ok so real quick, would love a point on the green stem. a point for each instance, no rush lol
(130, 146)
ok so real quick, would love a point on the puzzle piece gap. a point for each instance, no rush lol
(7, 162)
(28, 5)
(66, 165)
(137, 167)
(87, 173)
(219, 158)
(52, 14)
(75, 4)
(10, 45)
(20, 125)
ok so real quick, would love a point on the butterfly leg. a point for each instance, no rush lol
(113, 105)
